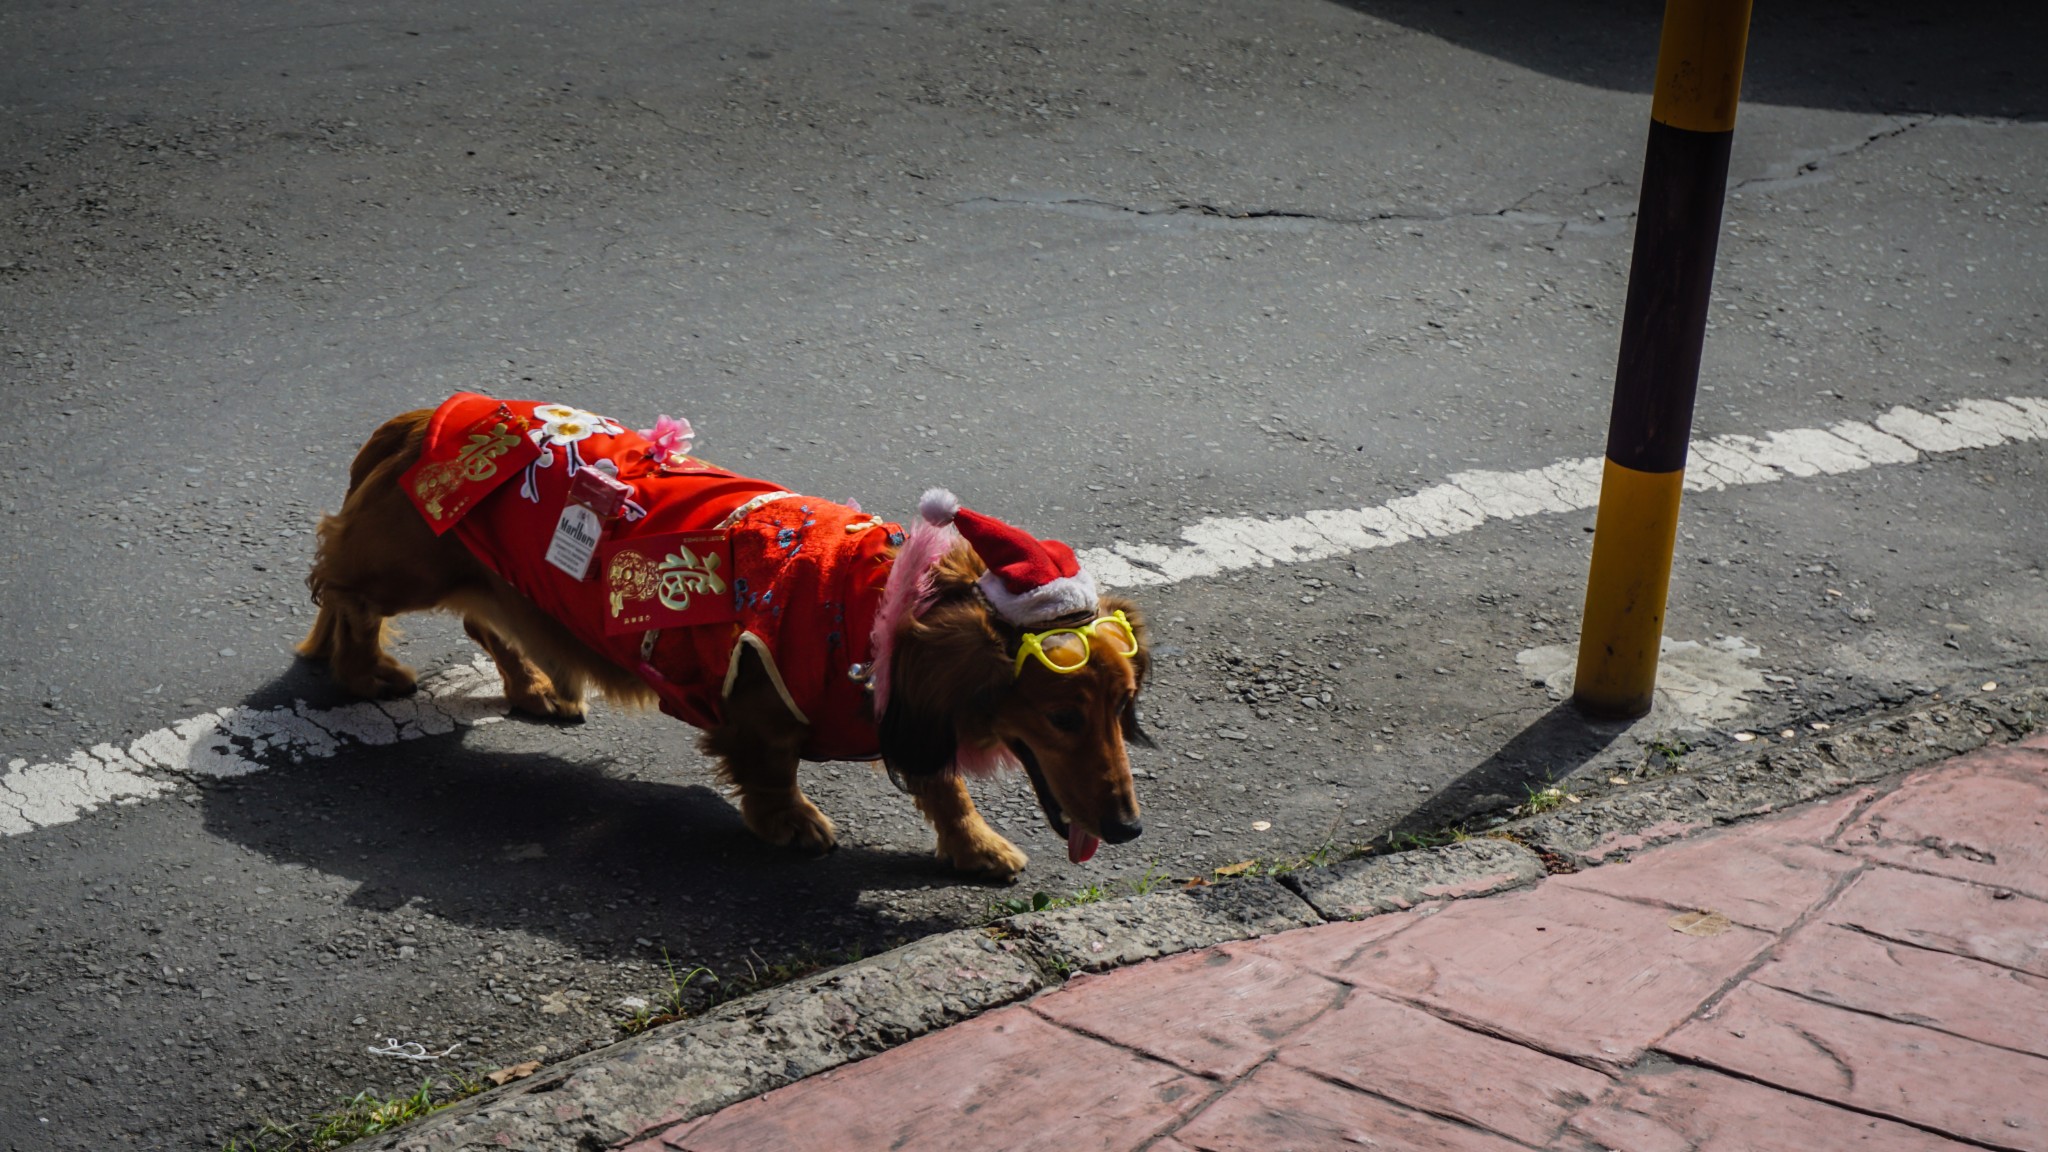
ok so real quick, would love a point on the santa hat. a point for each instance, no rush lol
(1029, 581)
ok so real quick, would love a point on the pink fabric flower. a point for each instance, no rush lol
(671, 438)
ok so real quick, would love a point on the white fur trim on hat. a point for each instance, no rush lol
(1048, 601)
(938, 506)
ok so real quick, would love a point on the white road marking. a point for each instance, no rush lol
(1216, 545)
(238, 740)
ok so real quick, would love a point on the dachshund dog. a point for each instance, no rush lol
(945, 689)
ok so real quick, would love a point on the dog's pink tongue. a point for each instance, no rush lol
(1080, 845)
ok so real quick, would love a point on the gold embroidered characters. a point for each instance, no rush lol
(684, 574)
(476, 462)
(629, 576)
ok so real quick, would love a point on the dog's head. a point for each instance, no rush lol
(956, 692)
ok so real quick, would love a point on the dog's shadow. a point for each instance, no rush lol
(532, 842)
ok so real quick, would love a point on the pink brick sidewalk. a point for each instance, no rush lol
(1877, 979)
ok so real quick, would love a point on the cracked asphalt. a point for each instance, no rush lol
(1105, 270)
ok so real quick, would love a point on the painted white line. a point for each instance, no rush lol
(236, 741)
(1216, 545)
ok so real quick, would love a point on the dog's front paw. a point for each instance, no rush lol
(983, 852)
(794, 823)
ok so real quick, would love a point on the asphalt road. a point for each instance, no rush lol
(1104, 270)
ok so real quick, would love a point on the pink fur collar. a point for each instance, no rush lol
(907, 594)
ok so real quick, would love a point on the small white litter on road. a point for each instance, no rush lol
(410, 1050)
(238, 740)
(1468, 499)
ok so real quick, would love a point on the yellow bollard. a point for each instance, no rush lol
(1670, 280)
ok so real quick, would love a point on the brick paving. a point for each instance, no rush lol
(1876, 979)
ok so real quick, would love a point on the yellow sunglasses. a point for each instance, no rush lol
(1066, 649)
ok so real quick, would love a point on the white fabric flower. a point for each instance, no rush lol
(561, 424)
(571, 429)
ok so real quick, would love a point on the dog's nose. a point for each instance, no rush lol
(1118, 831)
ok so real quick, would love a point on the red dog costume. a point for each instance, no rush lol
(732, 561)
(805, 577)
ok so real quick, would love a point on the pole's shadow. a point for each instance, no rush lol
(1967, 58)
(1559, 743)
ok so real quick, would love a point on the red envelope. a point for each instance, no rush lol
(669, 580)
(474, 444)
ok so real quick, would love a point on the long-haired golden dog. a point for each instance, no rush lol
(960, 692)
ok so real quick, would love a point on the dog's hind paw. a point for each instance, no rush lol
(548, 706)
(795, 824)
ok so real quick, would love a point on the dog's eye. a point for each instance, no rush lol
(1067, 719)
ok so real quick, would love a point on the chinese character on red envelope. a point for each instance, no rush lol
(670, 580)
(473, 444)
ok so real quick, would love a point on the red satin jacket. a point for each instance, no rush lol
(806, 579)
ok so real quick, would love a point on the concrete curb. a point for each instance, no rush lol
(1355, 889)
(641, 1086)
(637, 1088)
(1609, 825)
(1113, 933)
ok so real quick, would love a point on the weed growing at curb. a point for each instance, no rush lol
(671, 1007)
(1666, 753)
(1542, 801)
(1403, 841)
(804, 963)
(674, 1003)
(361, 1115)
(1152, 880)
(1324, 855)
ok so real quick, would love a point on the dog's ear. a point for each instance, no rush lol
(946, 677)
(1133, 732)
(1141, 665)
(1142, 662)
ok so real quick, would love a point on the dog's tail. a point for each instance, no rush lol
(323, 638)
(321, 574)
(397, 437)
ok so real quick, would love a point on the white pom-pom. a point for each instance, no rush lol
(938, 506)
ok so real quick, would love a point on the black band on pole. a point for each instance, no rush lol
(1678, 229)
